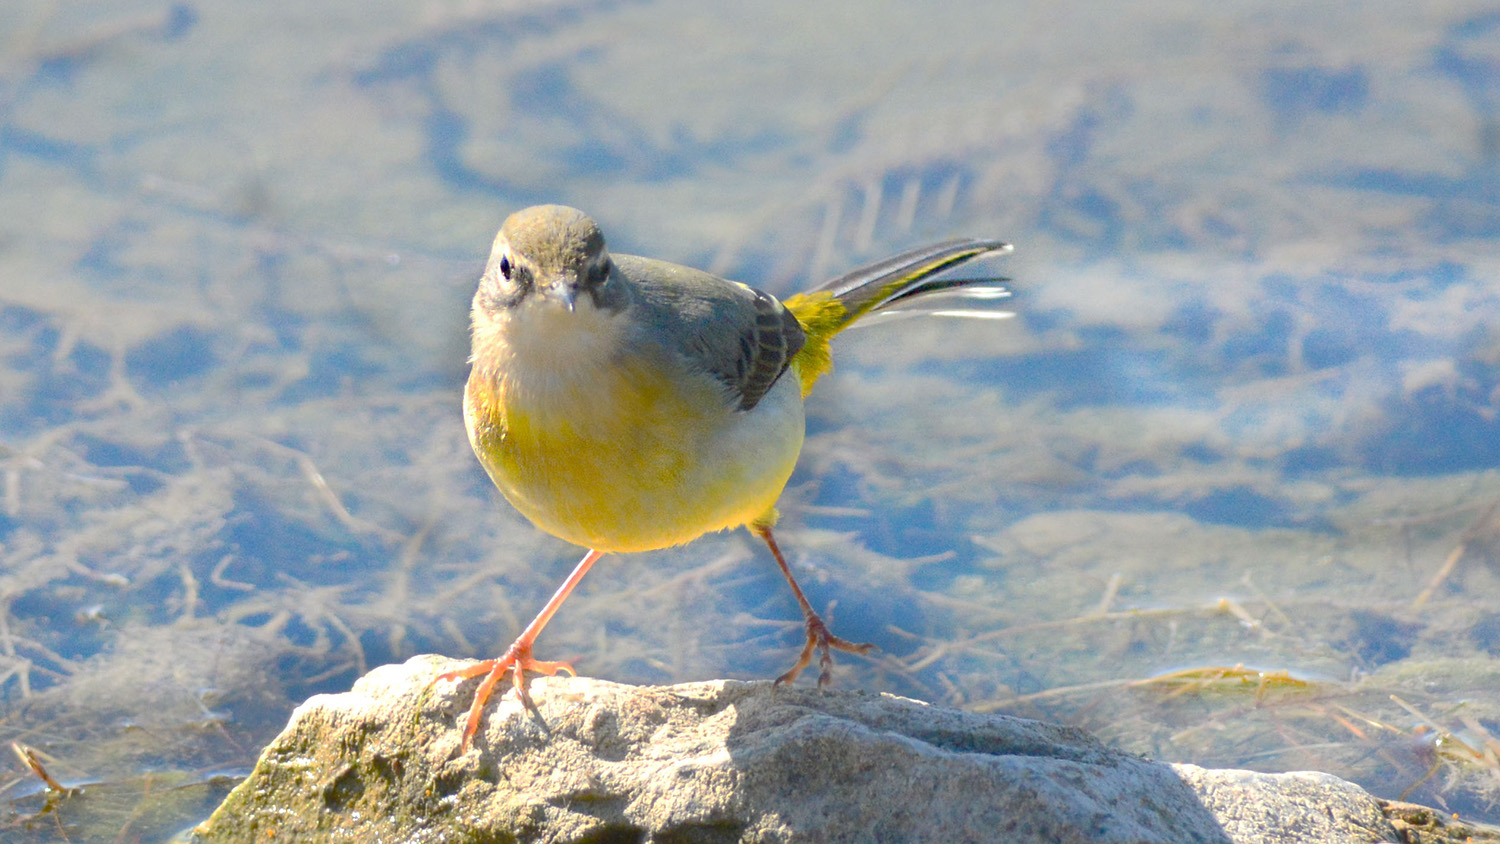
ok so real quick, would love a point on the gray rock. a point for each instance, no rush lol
(729, 761)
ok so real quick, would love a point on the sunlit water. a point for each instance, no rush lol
(1224, 491)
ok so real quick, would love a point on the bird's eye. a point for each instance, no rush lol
(505, 267)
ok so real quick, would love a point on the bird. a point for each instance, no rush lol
(628, 404)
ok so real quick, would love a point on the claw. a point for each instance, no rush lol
(819, 638)
(517, 661)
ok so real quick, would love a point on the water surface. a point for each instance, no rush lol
(1224, 491)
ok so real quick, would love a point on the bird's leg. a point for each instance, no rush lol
(517, 658)
(818, 635)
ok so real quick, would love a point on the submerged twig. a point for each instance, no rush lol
(30, 759)
(1486, 526)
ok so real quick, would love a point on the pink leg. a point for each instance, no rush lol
(818, 635)
(517, 658)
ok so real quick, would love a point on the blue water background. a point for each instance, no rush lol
(1245, 424)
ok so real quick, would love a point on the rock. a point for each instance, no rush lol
(729, 761)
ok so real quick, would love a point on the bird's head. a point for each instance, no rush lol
(548, 255)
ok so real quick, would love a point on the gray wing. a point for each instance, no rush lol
(766, 350)
(741, 336)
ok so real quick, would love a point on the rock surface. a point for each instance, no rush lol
(729, 761)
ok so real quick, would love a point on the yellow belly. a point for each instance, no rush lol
(618, 457)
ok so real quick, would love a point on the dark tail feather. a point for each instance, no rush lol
(829, 309)
(907, 275)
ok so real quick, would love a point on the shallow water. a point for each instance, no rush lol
(1224, 491)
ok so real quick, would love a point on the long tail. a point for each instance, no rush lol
(829, 308)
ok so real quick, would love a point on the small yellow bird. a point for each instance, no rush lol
(629, 404)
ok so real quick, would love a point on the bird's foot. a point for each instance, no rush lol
(517, 660)
(819, 638)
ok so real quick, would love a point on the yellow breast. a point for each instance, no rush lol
(617, 449)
